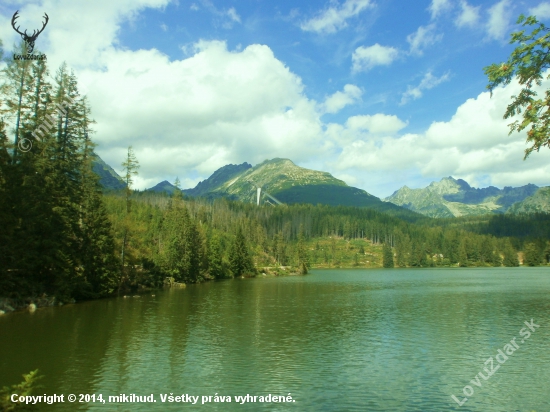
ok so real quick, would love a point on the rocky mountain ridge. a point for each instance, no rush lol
(455, 197)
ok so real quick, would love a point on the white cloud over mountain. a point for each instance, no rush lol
(474, 143)
(188, 115)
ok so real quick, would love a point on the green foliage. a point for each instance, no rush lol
(25, 388)
(510, 256)
(302, 255)
(527, 63)
(215, 256)
(387, 256)
(240, 260)
(532, 255)
(56, 237)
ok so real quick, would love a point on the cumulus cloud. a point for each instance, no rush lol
(428, 82)
(437, 7)
(542, 11)
(499, 19)
(468, 16)
(218, 107)
(473, 143)
(365, 58)
(189, 116)
(333, 18)
(66, 40)
(423, 37)
(336, 102)
(376, 124)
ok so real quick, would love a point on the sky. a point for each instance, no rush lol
(380, 93)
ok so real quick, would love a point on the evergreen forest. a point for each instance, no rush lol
(62, 235)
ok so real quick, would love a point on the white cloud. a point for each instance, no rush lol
(439, 6)
(424, 37)
(542, 11)
(469, 15)
(473, 143)
(428, 82)
(339, 100)
(376, 124)
(213, 108)
(365, 58)
(224, 17)
(232, 14)
(334, 18)
(82, 31)
(499, 18)
(188, 116)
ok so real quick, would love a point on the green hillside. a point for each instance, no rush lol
(108, 178)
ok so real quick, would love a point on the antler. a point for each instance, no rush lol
(15, 16)
(34, 36)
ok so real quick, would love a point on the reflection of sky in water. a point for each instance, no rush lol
(337, 340)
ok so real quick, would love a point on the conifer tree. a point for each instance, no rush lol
(533, 256)
(462, 253)
(510, 256)
(387, 256)
(302, 255)
(130, 166)
(240, 260)
(215, 261)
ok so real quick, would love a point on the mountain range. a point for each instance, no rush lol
(455, 197)
(281, 181)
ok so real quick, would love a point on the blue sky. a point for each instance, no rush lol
(381, 93)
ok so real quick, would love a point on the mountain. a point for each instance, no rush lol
(288, 183)
(108, 178)
(452, 198)
(539, 202)
(164, 186)
(218, 179)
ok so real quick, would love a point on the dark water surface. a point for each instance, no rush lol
(336, 340)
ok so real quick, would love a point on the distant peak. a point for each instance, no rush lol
(276, 160)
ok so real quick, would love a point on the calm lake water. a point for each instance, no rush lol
(336, 340)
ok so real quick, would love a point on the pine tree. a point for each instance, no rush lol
(462, 253)
(240, 261)
(510, 256)
(302, 255)
(403, 249)
(533, 256)
(215, 261)
(192, 248)
(130, 167)
(97, 252)
(387, 256)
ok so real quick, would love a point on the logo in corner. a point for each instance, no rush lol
(29, 39)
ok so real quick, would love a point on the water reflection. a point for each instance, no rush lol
(402, 340)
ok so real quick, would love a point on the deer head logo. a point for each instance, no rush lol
(32, 38)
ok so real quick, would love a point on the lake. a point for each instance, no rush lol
(335, 340)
